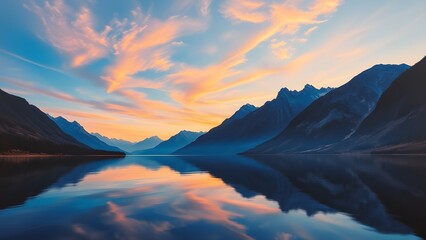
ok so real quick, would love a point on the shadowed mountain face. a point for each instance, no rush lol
(335, 116)
(257, 126)
(397, 124)
(26, 129)
(172, 144)
(130, 146)
(77, 131)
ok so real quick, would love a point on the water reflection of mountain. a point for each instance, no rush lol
(22, 178)
(251, 178)
(376, 191)
(386, 193)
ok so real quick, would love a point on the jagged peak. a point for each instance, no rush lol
(190, 132)
(245, 109)
(247, 105)
(388, 65)
(309, 86)
(285, 90)
(152, 137)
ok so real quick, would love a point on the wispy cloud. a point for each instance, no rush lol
(244, 10)
(72, 32)
(311, 30)
(142, 42)
(284, 19)
(136, 44)
(31, 61)
(205, 7)
(144, 45)
(142, 49)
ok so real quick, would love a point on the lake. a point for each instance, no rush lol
(214, 197)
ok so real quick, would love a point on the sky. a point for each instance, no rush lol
(137, 68)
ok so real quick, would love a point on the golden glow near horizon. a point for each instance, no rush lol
(133, 69)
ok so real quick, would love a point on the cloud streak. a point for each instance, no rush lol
(72, 32)
(195, 52)
(285, 19)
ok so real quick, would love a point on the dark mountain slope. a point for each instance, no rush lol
(335, 116)
(172, 144)
(75, 130)
(26, 129)
(398, 123)
(258, 126)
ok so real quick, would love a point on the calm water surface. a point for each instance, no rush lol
(226, 197)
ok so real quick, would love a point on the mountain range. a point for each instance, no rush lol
(26, 129)
(78, 132)
(172, 144)
(254, 126)
(381, 110)
(334, 117)
(128, 146)
(397, 124)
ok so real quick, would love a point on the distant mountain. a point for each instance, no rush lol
(257, 126)
(26, 129)
(335, 116)
(130, 146)
(120, 143)
(398, 123)
(172, 144)
(147, 143)
(75, 130)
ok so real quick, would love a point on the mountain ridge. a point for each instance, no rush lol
(335, 116)
(129, 146)
(25, 129)
(77, 131)
(396, 125)
(172, 144)
(257, 126)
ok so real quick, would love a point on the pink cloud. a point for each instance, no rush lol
(284, 19)
(72, 33)
(142, 37)
(244, 11)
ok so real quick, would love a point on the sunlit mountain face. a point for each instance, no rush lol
(221, 197)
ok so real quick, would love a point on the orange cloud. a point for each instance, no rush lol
(279, 49)
(284, 19)
(72, 33)
(244, 10)
(142, 42)
(145, 37)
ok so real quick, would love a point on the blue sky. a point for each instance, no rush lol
(132, 69)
